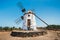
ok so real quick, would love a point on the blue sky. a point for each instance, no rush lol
(48, 10)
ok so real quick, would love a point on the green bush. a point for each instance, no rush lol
(7, 28)
(53, 27)
(1, 28)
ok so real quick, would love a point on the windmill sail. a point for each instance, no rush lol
(18, 20)
(21, 6)
(41, 19)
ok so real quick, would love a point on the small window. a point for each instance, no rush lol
(28, 15)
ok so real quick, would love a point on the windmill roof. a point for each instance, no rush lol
(28, 13)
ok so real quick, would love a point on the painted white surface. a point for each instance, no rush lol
(33, 21)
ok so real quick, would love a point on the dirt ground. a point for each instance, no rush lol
(51, 35)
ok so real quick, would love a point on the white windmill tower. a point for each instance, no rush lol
(29, 21)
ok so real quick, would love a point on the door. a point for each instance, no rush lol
(28, 23)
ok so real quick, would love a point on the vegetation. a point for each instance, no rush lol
(53, 27)
(6, 28)
(50, 27)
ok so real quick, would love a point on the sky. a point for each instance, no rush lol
(48, 10)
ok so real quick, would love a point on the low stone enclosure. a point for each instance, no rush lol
(27, 33)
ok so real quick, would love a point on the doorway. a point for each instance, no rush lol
(28, 23)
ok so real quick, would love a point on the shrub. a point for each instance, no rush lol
(53, 27)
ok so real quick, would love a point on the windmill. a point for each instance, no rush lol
(29, 21)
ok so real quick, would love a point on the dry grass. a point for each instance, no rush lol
(52, 35)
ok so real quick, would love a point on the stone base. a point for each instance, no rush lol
(27, 33)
